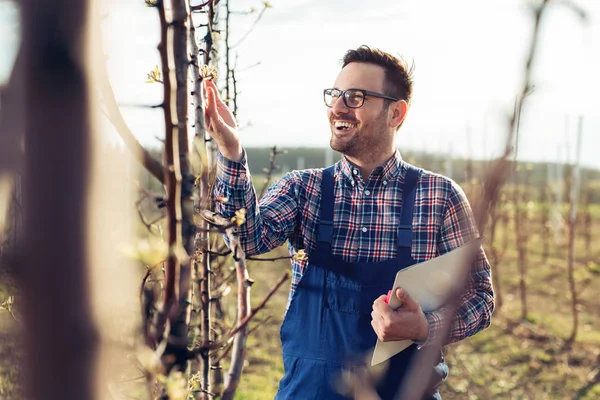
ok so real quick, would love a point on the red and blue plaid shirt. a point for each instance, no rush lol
(366, 221)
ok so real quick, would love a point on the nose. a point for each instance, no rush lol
(338, 106)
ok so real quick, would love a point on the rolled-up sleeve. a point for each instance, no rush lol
(269, 222)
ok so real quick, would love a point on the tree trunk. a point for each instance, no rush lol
(181, 37)
(544, 202)
(495, 257)
(574, 183)
(172, 173)
(211, 375)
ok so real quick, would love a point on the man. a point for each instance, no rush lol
(359, 221)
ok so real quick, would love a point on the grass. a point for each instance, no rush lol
(513, 359)
(9, 358)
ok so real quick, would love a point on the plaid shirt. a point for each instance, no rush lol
(366, 216)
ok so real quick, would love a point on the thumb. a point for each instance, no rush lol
(407, 302)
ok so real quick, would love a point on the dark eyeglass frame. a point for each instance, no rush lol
(342, 94)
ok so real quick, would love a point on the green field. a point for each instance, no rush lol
(513, 359)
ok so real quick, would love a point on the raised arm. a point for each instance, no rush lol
(269, 223)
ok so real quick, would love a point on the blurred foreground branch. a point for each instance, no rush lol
(115, 117)
(495, 177)
(61, 339)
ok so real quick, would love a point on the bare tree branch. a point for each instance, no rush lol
(172, 179)
(245, 313)
(575, 183)
(228, 70)
(206, 150)
(269, 171)
(12, 122)
(200, 7)
(262, 304)
(180, 31)
(260, 14)
(114, 115)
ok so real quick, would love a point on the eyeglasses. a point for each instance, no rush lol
(353, 98)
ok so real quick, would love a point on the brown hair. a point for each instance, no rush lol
(398, 75)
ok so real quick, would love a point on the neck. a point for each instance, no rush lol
(368, 162)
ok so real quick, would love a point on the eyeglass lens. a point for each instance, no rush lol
(352, 98)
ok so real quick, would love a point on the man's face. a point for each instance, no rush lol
(355, 131)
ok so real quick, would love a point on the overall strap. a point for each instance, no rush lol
(409, 192)
(325, 228)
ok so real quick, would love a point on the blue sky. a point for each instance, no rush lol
(469, 58)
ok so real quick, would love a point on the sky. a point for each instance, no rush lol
(469, 58)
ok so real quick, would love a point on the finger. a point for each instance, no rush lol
(212, 105)
(408, 303)
(209, 109)
(380, 298)
(205, 95)
(381, 307)
(379, 302)
(376, 316)
(210, 84)
(376, 329)
(216, 123)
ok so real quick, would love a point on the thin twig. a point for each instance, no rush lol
(269, 171)
(249, 258)
(143, 285)
(262, 304)
(238, 354)
(247, 67)
(242, 323)
(251, 28)
(218, 253)
(224, 352)
(269, 258)
(200, 7)
(259, 324)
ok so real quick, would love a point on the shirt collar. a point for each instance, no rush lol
(391, 169)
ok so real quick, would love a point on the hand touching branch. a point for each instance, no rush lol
(221, 124)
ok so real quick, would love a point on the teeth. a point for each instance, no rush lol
(341, 124)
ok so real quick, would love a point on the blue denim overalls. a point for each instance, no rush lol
(327, 327)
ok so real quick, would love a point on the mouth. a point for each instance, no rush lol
(344, 126)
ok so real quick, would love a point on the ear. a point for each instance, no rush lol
(398, 113)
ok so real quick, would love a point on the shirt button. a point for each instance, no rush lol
(367, 192)
(384, 183)
(352, 183)
(355, 171)
(364, 229)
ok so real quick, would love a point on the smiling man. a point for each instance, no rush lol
(360, 221)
